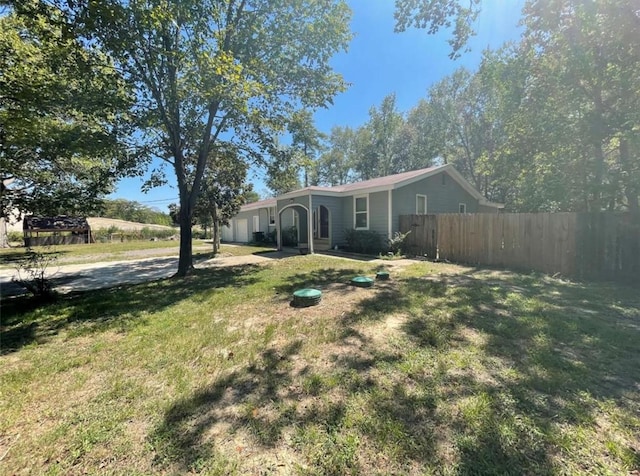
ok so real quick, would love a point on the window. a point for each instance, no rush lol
(361, 212)
(462, 208)
(295, 219)
(444, 179)
(421, 204)
(272, 216)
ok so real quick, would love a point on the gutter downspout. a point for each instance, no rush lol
(390, 213)
(310, 225)
(278, 233)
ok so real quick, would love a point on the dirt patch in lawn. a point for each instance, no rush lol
(257, 403)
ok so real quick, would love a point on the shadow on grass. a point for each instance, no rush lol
(551, 355)
(25, 321)
(349, 255)
(271, 251)
(548, 357)
(263, 400)
(320, 278)
(180, 436)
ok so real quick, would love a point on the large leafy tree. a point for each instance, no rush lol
(210, 72)
(465, 115)
(306, 140)
(432, 15)
(552, 124)
(224, 191)
(587, 56)
(283, 170)
(377, 141)
(62, 122)
(336, 161)
(428, 130)
(288, 162)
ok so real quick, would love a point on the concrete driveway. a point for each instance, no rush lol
(83, 277)
(87, 276)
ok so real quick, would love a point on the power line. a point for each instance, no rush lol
(160, 200)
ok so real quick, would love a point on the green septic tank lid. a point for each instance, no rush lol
(306, 298)
(382, 275)
(307, 293)
(362, 281)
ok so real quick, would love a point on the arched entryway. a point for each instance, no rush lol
(298, 222)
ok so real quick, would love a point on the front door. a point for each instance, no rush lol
(324, 223)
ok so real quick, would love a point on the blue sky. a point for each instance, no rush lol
(378, 62)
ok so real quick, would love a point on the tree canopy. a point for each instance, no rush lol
(434, 15)
(224, 191)
(211, 73)
(63, 123)
(550, 123)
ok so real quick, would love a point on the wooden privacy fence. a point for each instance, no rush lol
(582, 245)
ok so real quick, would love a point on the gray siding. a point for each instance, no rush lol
(264, 220)
(345, 218)
(246, 214)
(441, 198)
(347, 214)
(379, 213)
(263, 215)
(486, 209)
(304, 200)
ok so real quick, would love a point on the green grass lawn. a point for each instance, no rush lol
(441, 370)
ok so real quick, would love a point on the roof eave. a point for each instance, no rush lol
(304, 192)
(487, 203)
(432, 171)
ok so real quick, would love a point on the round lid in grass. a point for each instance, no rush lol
(307, 293)
(306, 297)
(362, 282)
(382, 275)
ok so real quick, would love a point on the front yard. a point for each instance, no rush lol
(441, 370)
(128, 250)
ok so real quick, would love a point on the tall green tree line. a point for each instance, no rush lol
(123, 209)
(549, 123)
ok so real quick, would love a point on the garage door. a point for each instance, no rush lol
(242, 230)
(227, 233)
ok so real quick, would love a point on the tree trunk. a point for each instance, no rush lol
(630, 187)
(598, 134)
(4, 239)
(215, 229)
(185, 261)
(596, 203)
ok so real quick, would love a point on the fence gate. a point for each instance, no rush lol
(423, 237)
